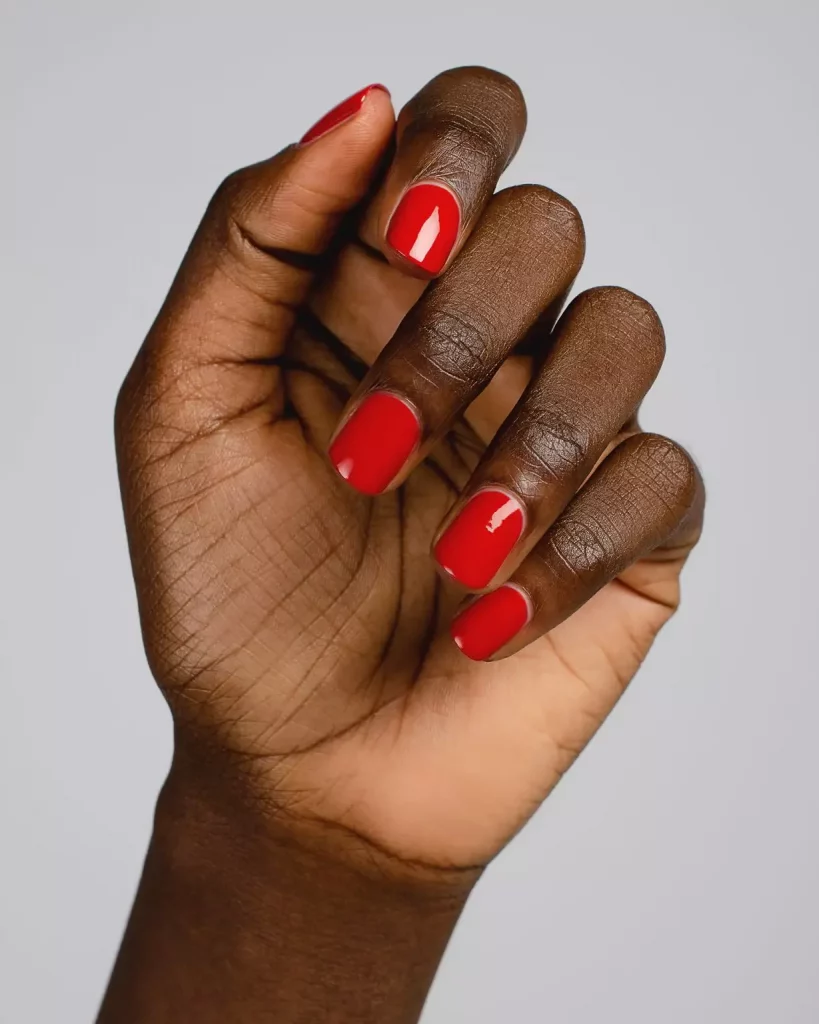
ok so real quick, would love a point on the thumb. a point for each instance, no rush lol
(252, 261)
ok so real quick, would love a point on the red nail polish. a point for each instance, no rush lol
(375, 442)
(425, 225)
(478, 541)
(490, 622)
(338, 115)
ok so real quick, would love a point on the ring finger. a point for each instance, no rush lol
(606, 352)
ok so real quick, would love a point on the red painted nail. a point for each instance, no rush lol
(490, 622)
(478, 541)
(338, 115)
(375, 442)
(424, 227)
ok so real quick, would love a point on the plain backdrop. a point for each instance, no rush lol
(672, 877)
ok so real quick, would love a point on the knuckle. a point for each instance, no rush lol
(549, 216)
(494, 84)
(474, 87)
(580, 548)
(122, 414)
(226, 197)
(128, 402)
(664, 467)
(475, 107)
(495, 110)
(224, 212)
(506, 92)
(464, 147)
(241, 195)
(155, 405)
(552, 446)
(467, 152)
(625, 318)
(456, 347)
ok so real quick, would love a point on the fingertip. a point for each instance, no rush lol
(304, 191)
(490, 623)
(369, 111)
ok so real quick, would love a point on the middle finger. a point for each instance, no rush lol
(521, 258)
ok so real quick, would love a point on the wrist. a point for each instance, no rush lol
(237, 903)
(218, 801)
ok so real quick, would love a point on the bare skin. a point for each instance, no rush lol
(342, 772)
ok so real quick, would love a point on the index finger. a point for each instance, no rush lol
(454, 139)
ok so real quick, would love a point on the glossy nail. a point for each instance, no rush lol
(338, 115)
(424, 227)
(479, 540)
(491, 622)
(375, 442)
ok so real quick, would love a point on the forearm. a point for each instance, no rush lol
(236, 919)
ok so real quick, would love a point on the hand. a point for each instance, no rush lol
(299, 628)
(352, 318)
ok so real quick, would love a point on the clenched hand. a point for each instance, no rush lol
(398, 538)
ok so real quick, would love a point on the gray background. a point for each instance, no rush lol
(672, 877)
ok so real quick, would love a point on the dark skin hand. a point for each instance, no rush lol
(342, 771)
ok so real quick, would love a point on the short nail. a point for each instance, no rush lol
(479, 540)
(491, 622)
(338, 115)
(373, 445)
(424, 227)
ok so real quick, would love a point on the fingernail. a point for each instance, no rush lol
(491, 622)
(375, 442)
(424, 227)
(480, 538)
(338, 115)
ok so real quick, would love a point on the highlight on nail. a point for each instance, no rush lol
(481, 537)
(425, 225)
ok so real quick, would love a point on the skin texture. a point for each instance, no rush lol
(342, 772)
